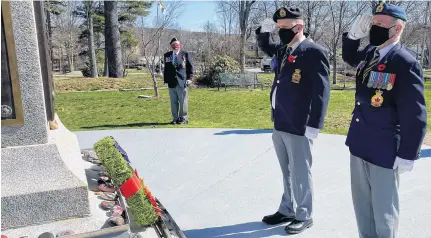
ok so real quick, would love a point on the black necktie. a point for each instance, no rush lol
(371, 64)
(286, 54)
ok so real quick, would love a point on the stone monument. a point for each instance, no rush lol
(38, 181)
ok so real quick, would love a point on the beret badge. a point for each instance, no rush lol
(282, 13)
(380, 7)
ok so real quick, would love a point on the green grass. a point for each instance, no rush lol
(73, 84)
(208, 108)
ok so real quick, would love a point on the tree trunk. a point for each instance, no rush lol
(242, 50)
(309, 19)
(429, 34)
(156, 89)
(91, 48)
(334, 65)
(106, 66)
(70, 62)
(61, 59)
(49, 24)
(112, 40)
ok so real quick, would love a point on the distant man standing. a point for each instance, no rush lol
(389, 118)
(178, 72)
(299, 100)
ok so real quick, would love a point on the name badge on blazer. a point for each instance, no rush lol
(381, 80)
(168, 59)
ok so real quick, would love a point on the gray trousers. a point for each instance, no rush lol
(179, 102)
(375, 199)
(294, 155)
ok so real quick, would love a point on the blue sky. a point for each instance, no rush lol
(195, 14)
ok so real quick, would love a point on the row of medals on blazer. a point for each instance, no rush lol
(174, 62)
(377, 98)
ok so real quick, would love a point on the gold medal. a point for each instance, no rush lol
(296, 77)
(389, 87)
(377, 99)
(183, 64)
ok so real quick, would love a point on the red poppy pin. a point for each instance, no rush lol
(291, 58)
(381, 67)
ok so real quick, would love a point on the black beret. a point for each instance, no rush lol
(173, 39)
(287, 13)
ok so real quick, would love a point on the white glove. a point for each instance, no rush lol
(311, 133)
(267, 25)
(360, 27)
(403, 165)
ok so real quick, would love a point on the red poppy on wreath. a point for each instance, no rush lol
(381, 67)
(291, 58)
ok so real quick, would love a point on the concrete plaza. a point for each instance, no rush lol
(221, 182)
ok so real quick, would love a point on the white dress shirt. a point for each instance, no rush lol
(310, 133)
(385, 50)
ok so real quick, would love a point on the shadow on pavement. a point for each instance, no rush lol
(243, 132)
(425, 153)
(141, 124)
(245, 230)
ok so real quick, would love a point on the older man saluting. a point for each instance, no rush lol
(389, 119)
(299, 100)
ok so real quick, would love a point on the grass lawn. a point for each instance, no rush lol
(79, 83)
(207, 108)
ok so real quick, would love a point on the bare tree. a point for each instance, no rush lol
(151, 39)
(428, 33)
(67, 33)
(315, 15)
(244, 14)
(342, 14)
(243, 9)
(52, 8)
(86, 11)
(227, 17)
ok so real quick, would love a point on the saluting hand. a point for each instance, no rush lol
(267, 25)
(360, 27)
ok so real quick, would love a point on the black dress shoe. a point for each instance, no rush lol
(296, 226)
(182, 121)
(174, 122)
(276, 218)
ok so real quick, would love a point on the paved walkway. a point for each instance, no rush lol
(220, 182)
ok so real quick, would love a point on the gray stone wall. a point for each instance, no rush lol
(35, 128)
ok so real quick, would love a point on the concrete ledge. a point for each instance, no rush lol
(37, 187)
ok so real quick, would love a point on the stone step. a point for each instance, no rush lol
(37, 187)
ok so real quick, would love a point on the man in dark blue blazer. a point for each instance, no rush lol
(178, 72)
(299, 100)
(389, 118)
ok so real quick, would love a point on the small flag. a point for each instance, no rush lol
(162, 7)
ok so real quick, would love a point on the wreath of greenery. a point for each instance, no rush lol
(141, 205)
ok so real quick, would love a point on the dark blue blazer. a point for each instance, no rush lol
(182, 71)
(299, 103)
(396, 127)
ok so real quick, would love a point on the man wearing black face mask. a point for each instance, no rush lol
(389, 119)
(299, 100)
